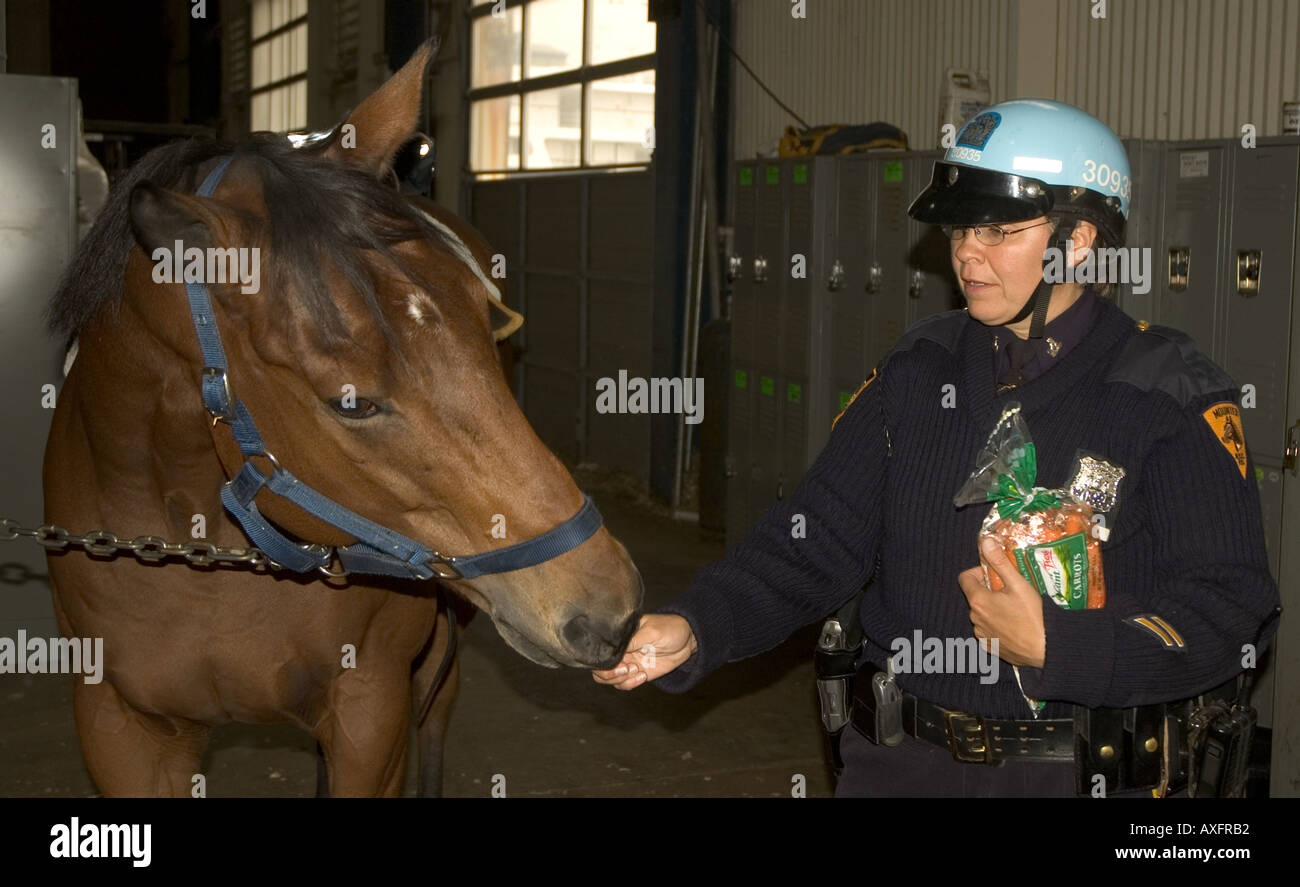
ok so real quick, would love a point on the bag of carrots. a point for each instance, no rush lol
(1053, 536)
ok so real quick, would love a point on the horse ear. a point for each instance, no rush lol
(504, 320)
(371, 136)
(160, 217)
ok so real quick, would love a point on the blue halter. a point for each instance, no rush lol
(378, 549)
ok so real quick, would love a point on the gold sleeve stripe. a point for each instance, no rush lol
(1161, 629)
(1178, 638)
(861, 388)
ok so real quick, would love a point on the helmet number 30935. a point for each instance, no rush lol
(1106, 177)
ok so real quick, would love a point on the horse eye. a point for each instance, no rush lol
(360, 408)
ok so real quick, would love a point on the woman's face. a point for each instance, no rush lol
(998, 280)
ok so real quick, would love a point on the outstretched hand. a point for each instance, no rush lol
(661, 643)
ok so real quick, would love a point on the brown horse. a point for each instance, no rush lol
(365, 289)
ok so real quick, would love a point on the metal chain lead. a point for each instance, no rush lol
(149, 549)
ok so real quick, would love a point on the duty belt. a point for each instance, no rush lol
(975, 739)
(1133, 748)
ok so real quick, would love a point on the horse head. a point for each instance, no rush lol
(360, 332)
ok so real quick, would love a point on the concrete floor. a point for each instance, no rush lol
(748, 730)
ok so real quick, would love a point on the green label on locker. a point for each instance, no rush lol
(746, 175)
(801, 174)
(893, 170)
(742, 379)
(766, 385)
(793, 392)
(773, 174)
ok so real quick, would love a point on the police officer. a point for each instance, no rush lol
(1028, 187)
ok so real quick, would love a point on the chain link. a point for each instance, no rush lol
(150, 549)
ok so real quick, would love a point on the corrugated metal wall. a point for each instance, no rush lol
(1161, 69)
(855, 61)
(1181, 69)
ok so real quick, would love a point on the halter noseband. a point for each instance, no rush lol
(378, 549)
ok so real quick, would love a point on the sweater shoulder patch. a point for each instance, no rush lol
(1161, 358)
(945, 328)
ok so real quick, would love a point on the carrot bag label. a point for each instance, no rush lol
(1052, 536)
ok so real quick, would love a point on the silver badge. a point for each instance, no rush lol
(1096, 483)
(1053, 346)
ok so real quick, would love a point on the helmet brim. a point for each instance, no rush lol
(965, 195)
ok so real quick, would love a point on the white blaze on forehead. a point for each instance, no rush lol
(417, 305)
(462, 252)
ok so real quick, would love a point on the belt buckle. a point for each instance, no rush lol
(968, 738)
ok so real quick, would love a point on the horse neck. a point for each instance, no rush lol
(143, 423)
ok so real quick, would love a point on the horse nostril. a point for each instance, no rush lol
(595, 640)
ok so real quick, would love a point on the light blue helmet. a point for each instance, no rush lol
(1026, 158)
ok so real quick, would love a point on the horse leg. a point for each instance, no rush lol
(430, 734)
(129, 753)
(322, 774)
(432, 731)
(364, 735)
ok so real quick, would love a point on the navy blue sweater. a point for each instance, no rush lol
(1186, 542)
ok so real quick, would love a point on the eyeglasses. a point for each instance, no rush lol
(989, 235)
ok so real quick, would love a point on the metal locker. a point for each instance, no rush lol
(1284, 663)
(932, 285)
(744, 321)
(805, 366)
(895, 186)
(770, 271)
(796, 320)
(1257, 288)
(1269, 481)
(853, 270)
(1194, 231)
(1144, 217)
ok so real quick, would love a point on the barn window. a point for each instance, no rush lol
(560, 84)
(278, 88)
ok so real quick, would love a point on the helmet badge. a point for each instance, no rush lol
(952, 175)
(976, 133)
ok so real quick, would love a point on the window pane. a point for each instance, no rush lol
(494, 133)
(495, 49)
(280, 57)
(620, 111)
(619, 30)
(554, 37)
(554, 126)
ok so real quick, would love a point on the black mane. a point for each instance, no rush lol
(320, 214)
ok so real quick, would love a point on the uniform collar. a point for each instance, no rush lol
(1111, 326)
(1062, 334)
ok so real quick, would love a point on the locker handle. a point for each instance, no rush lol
(836, 279)
(917, 284)
(874, 275)
(760, 269)
(1180, 263)
(1291, 454)
(735, 267)
(1248, 266)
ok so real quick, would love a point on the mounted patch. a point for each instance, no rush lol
(977, 132)
(1160, 628)
(1225, 421)
(861, 388)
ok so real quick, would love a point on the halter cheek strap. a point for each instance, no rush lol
(378, 549)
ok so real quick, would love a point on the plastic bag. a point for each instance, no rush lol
(1050, 535)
